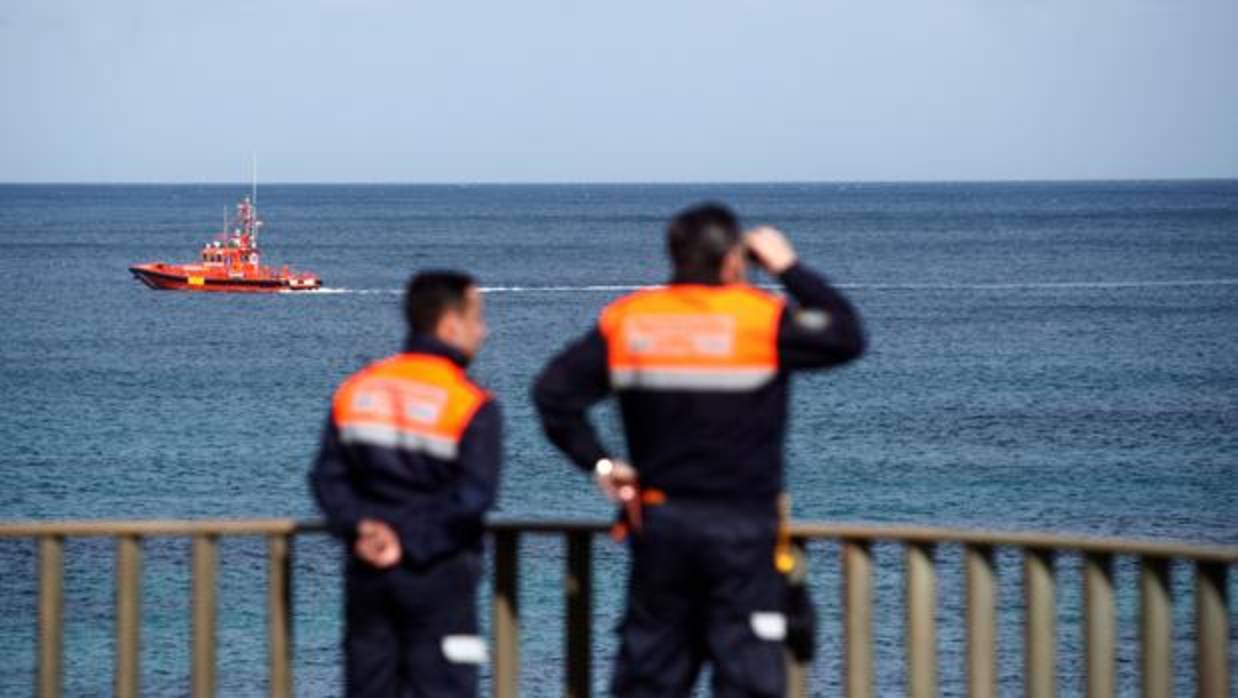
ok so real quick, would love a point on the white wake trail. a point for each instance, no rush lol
(876, 286)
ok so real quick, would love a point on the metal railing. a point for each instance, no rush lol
(129, 535)
(1211, 567)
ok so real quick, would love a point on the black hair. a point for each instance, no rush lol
(698, 238)
(432, 293)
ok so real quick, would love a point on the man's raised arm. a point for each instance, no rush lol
(574, 380)
(820, 327)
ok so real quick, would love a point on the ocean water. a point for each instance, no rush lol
(1045, 356)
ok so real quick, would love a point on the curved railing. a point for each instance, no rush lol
(1212, 620)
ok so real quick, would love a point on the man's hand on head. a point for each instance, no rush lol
(615, 478)
(377, 544)
(771, 249)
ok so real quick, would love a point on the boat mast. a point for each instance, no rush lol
(253, 207)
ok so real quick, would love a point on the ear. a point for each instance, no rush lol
(734, 266)
(448, 327)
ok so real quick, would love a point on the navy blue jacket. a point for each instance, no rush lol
(695, 444)
(436, 506)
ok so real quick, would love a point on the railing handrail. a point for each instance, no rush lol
(88, 528)
(930, 535)
(1211, 570)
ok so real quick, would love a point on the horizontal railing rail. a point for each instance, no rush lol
(1212, 619)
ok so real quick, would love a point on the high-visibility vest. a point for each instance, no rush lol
(412, 402)
(693, 337)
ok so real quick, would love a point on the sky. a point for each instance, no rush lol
(632, 91)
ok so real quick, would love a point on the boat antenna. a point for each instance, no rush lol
(253, 205)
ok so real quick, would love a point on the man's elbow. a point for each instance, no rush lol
(537, 392)
(841, 348)
(315, 486)
(855, 346)
(545, 399)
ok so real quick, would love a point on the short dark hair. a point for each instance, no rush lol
(698, 238)
(432, 293)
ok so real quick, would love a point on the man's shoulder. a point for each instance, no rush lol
(411, 383)
(415, 368)
(747, 293)
(738, 296)
(637, 296)
(374, 368)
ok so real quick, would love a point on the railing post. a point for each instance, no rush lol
(921, 629)
(205, 555)
(1040, 629)
(981, 622)
(128, 615)
(279, 614)
(1156, 627)
(797, 677)
(51, 615)
(858, 618)
(798, 671)
(1211, 629)
(506, 620)
(1100, 624)
(578, 581)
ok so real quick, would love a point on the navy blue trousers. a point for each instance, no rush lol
(412, 633)
(702, 587)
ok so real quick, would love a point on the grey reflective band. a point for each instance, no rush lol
(464, 649)
(731, 381)
(812, 320)
(385, 436)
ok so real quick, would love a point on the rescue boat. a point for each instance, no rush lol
(230, 263)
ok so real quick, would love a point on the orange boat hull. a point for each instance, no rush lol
(168, 277)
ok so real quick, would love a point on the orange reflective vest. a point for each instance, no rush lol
(693, 337)
(411, 402)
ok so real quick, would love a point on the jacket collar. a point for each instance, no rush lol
(681, 279)
(418, 343)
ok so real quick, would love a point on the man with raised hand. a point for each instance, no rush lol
(700, 368)
(408, 466)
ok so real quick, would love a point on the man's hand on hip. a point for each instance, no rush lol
(616, 479)
(377, 544)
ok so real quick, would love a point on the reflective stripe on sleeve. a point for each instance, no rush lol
(465, 649)
(730, 380)
(769, 625)
(385, 436)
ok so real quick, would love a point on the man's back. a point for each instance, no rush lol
(408, 466)
(700, 369)
(392, 451)
(702, 398)
(405, 417)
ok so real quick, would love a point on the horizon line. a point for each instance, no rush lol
(684, 182)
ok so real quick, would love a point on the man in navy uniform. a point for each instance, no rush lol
(409, 464)
(701, 369)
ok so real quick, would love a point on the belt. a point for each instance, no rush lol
(784, 554)
(633, 500)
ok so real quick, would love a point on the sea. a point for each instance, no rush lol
(1044, 356)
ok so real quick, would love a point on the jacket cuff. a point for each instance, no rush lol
(797, 274)
(344, 526)
(588, 461)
